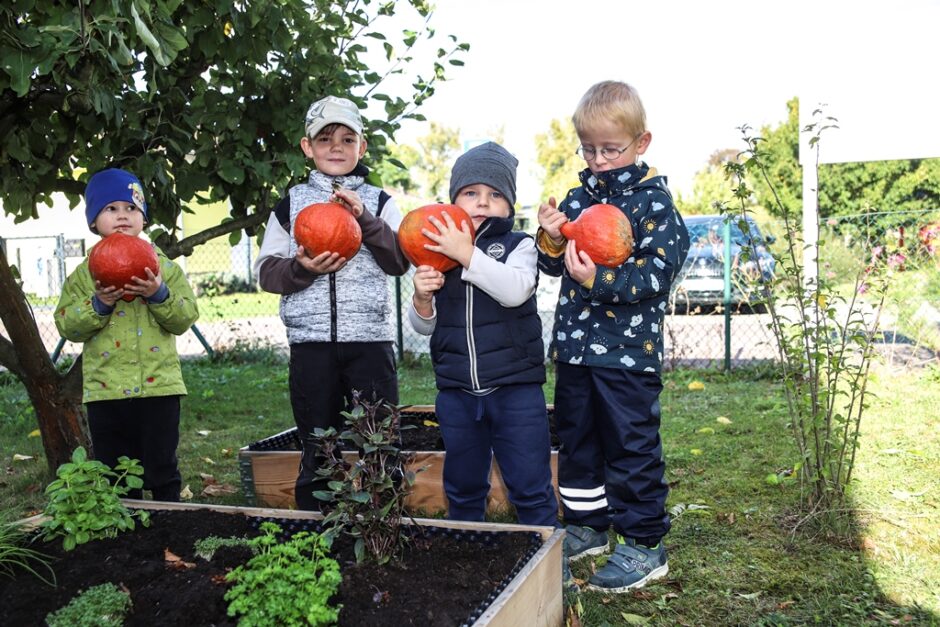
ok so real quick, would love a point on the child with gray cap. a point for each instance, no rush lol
(131, 375)
(337, 311)
(486, 344)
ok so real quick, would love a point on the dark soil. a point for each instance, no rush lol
(444, 578)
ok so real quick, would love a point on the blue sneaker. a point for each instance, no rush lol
(583, 541)
(630, 566)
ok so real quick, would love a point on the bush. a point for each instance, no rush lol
(219, 284)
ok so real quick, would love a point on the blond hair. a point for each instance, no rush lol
(611, 100)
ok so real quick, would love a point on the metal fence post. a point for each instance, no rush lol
(727, 296)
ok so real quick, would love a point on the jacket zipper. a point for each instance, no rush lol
(471, 341)
(333, 307)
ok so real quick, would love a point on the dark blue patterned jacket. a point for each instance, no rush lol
(618, 321)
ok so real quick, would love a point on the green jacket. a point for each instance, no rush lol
(130, 353)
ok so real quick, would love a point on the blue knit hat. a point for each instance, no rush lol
(108, 186)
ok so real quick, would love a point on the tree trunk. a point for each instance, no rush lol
(56, 398)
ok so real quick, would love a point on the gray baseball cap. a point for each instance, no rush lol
(332, 110)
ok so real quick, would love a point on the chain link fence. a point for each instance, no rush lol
(713, 320)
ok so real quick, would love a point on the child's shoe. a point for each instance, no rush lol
(584, 541)
(630, 566)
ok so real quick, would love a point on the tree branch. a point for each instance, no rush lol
(184, 247)
(9, 360)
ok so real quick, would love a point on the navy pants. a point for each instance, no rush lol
(610, 465)
(510, 422)
(146, 429)
(322, 378)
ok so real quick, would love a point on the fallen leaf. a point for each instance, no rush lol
(696, 386)
(891, 451)
(572, 619)
(207, 478)
(634, 619)
(218, 489)
(34, 434)
(226, 452)
(203, 432)
(218, 580)
(21, 458)
(904, 495)
(643, 595)
(869, 545)
(726, 517)
(706, 431)
(175, 561)
(785, 605)
(186, 494)
(431, 423)
(723, 420)
(750, 596)
(696, 451)
(209, 461)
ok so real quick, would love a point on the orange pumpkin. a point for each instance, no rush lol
(603, 232)
(118, 258)
(412, 240)
(328, 227)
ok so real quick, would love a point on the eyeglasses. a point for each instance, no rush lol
(589, 153)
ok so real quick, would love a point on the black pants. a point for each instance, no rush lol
(323, 376)
(610, 465)
(146, 429)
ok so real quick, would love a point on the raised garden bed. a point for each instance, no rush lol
(268, 467)
(454, 574)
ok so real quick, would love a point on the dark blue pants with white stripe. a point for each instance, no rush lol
(510, 423)
(610, 465)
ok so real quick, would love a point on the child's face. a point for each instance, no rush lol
(481, 201)
(335, 152)
(608, 136)
(122, 216)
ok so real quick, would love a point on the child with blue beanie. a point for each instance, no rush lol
(131, 375)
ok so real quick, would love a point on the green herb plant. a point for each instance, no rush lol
(825, 339)
(15, 555)
(206, 547)
(286, 583)
(85, 500)
(105, 605)
(367, 499)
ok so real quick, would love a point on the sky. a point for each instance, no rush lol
(702, 68)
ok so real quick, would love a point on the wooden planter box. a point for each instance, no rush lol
(269, 467)
(532, 597)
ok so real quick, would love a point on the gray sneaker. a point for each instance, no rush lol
(630, 566)
(583, 541)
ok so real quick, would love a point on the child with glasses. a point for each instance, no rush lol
(607, 343)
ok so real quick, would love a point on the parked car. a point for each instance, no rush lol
(701, 280)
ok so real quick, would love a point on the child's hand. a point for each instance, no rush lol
(551, 219)
(324, 263)
(579, 265)
(108, 295)
(451, 240)
(427, 280)
(349, 199)
(145, 287)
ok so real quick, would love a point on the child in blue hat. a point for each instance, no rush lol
(132, 380)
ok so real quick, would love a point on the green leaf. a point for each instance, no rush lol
(19, 65)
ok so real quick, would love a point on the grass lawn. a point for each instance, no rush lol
(737, 560)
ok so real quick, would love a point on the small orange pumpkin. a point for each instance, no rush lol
(328, 227)
(412, 240)
(603, 232)
(118, 258)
